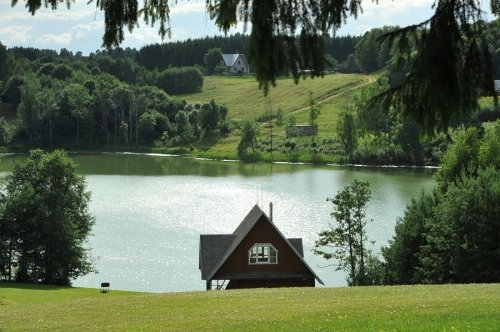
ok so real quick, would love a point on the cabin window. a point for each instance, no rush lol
(263, 253)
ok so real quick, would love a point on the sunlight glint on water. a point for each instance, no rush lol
(147, 228)
(151, 210)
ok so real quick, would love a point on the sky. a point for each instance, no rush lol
(81, 27)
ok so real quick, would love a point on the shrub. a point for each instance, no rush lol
(180, 80)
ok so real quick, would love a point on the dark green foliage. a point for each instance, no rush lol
(212, 58)
(340, 47)
(461, 156)
(190, 52)
(346, 240)
(45, 221)
(452, 43)
(248, 137)
(46, 69)
(62, 72)
(152, 125)
(11, 91)
(449, 237)
(209, 117)
(4, 69)
(408, 138)
(86, 102)
(463, 239)
(401, 256)
(32, 54)
(371, 52)
(29, 110)
(180, 80)
(347, 131)
(78, 103)
(451, 234)
(350, 65)
(184, 128)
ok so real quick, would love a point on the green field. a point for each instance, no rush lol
(245, 101)
(397, 308)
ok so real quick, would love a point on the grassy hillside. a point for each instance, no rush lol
(246, 101)
(405, 308)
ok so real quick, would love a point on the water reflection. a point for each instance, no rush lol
(154, 165)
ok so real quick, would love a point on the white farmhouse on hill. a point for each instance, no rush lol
(235, 63)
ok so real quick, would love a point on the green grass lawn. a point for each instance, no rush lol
(401, 308)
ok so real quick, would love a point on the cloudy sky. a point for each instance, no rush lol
(81, 27)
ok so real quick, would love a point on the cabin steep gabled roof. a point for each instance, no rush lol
(236, 238)
(212, 247)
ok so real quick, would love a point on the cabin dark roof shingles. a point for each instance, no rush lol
(216, 249)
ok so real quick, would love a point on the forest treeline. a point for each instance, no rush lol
(127, 97)
(121, 98)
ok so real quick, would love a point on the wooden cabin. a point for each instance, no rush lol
(255, 255)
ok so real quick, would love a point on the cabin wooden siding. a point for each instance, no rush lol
(264, 232)
(270, 283)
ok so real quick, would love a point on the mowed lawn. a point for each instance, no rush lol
(397, 308)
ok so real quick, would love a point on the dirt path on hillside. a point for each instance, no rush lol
(338, 93)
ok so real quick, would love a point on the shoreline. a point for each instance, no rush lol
(225, 159)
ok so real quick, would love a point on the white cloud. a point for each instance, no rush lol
(16, 33)
(141, 36)
(49, 39)
(82, 30)
(388, 4)
(61, 14)
(185, 8)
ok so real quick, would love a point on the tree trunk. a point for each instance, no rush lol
(352, 258)
(115, 129)
(77, 130)
(10, 259)
(362, 258)
(50, 126)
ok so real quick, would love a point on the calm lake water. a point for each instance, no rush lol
(150, 211)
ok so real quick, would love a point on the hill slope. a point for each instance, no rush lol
(402, 308)
(246, 101)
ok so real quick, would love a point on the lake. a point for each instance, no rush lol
(151, 209)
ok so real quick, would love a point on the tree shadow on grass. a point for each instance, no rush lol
(30, 286)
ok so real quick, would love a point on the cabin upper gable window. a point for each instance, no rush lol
(263, 253)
